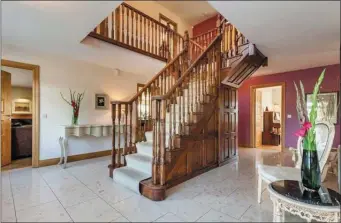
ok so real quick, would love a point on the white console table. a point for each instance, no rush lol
(80, 131)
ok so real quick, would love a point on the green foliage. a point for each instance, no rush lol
(310, 141)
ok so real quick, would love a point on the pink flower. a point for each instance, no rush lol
(303, 131)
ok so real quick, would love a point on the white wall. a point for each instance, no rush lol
(153, 9)
(58, 75)
(270, 97)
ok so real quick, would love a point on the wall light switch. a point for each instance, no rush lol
(44, 115)
(289, 116)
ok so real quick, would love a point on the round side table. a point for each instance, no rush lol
(290, 196)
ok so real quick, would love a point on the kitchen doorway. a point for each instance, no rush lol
(19, 115)
(268, 116)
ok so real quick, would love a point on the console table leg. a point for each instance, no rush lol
(61, 141)
(65, 147)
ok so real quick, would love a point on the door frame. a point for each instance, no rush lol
(253, 89)
(35, 104)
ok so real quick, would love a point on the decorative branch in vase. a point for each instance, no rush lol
(310, 169)
(75, 102)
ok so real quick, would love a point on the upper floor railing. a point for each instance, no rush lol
(132, 29)
(206, 38)
(232, 40)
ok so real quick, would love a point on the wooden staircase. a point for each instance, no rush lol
(183, 122)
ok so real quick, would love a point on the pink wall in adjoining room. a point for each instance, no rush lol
(331, 83)
(205, 26)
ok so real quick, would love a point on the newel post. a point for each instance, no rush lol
(159, 142)
(113, 150)
(187, 49)
(155, 119)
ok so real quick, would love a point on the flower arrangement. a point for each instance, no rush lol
(75, 102)
(307, 122)
(310, 169)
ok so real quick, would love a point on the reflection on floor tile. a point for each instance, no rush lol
(83, 192)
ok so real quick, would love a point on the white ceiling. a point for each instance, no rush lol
(292, 34)
(58, 27)
(192, 12)
(19, 77)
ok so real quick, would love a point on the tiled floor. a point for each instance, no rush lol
(84, 192)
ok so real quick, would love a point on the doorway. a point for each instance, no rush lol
(19, 115)
(268, 116)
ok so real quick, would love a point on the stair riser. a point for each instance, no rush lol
(145, 150)
(141, 166)
(149, 136)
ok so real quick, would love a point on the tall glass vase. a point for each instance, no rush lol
(310, 169)
(75, 117)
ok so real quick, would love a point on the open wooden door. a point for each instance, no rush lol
(259, 118)
(6, 97)
(228, 132)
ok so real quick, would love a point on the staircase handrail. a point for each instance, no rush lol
(147, 85)
(185, 75)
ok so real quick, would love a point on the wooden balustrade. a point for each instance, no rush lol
(133, 118)
(232, 41)
(132, 29)
(176, 110)
(206, 38)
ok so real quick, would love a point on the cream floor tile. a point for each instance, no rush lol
(179, 192)
(88, 177)
(216, 216)
(28, 189)
(257, 214)
(121, 219)
(27, 180)
(8, 210)
(169, 217)
(110, 191)
(25, 199)
(139, 209)
(230, 206)
(49, 212)
(187, 210)
(95, 210)
(74, 194)
(211, 199)
(59, 180)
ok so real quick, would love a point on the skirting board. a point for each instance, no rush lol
(244, 145)
(74, 158)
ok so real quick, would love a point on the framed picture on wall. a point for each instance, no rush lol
(327, 106)
(21, 106)
(101, 101)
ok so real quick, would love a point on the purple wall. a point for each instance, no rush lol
(331, 83)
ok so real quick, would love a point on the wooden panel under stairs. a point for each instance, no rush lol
(193, 154)
(248, 63)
